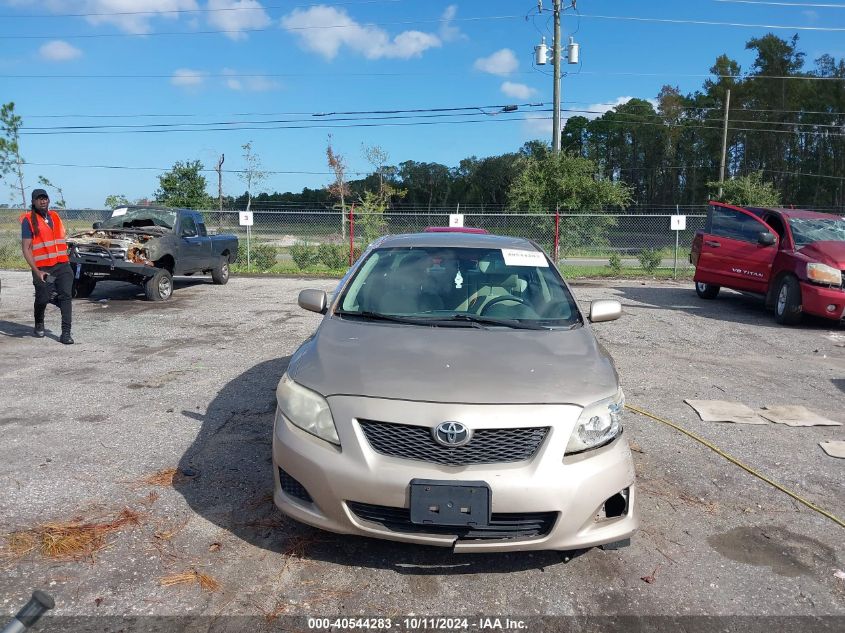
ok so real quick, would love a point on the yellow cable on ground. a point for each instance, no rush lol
(734, 460)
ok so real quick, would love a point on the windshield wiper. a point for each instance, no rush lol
(483, 320)
(378, 316)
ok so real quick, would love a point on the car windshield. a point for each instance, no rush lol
(136, 218)
(461, 287)
(808, 230)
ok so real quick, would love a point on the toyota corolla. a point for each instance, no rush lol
(455, 395)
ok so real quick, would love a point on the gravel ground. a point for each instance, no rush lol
(189, 384)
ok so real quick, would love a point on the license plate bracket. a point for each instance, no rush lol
(451, 503)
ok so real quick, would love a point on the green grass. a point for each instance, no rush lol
(604, 272)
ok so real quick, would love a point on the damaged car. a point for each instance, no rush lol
(454, 394)
(148, 246)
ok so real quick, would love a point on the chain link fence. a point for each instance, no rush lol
(319, 240)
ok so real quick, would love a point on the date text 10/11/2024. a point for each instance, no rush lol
(417, 623)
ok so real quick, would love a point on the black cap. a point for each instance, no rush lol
(37, 193)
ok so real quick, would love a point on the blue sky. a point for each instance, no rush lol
(276, 60)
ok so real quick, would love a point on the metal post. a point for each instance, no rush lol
(724, 143)
(677, 240)
(352, 234)
(557, 234)
(556, 106)
(248, 265)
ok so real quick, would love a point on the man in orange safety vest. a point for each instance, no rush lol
(44, 249)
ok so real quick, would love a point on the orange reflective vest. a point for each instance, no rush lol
(48, 244)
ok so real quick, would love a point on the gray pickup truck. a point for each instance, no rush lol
(147, 246)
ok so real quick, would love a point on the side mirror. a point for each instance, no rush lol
(766, 239)
(605, 310)
(97, 225)
(313, 300)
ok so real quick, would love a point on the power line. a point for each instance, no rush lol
(192, 11)
(165, 126)
(262, 30)
(805, 5)
(225, 171)
(827, 29)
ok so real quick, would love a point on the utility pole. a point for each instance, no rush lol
(556, 62)
(724, 142)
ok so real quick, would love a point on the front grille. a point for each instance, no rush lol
(502, 525)
(488, 446)
(292, 487)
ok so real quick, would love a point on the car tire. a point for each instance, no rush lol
(220, 275)
(83, 287)
(159, 287)
(788, 301)
(706, 291)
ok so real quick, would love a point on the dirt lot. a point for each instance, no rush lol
(189, 384)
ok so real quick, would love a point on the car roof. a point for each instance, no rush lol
(455, 240)
(795, 213)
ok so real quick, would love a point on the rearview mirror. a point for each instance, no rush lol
(313, 300)
(605, 310)
(765, 239)
(97, 225)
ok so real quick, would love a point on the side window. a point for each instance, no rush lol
(776, 223)
(735, 225)
(189, 226)
(201, 227)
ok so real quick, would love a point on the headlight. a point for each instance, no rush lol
(598, 424)
(306, 409)
(824, 274)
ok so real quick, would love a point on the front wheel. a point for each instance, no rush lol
(159, 287)
(220, 275)
(83, 287)
(788, 303)
(706, 291)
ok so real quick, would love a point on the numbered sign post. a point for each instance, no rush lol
(245, 219)
(677, 223)
(456, 219)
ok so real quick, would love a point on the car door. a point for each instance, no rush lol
(190, 244)
(731, 254)
(209, 258)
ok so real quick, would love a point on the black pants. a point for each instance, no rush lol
(61, 286)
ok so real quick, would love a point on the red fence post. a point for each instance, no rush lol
(352, 234)
(557, 234)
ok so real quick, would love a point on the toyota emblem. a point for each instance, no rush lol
(451, 434)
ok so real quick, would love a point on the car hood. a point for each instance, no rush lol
(828, 252)
(455, 365)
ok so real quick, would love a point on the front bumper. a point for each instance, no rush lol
(815, 299)
(575, 488)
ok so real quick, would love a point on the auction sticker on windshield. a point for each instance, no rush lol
(514, 257)
(119, 212)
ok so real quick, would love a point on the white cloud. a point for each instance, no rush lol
(812, 16)
(244, 83)
(59, 51)
(502, 62)
(237, 16)
(597, 109)
(325, 30)
(538, 126)
(187, 78)
(448, 32)
(131, 16)
(517, 91)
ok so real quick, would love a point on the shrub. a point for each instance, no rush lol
(262, 257)
(614, 262)
(304, 255)
(649, 259)
(333, 256)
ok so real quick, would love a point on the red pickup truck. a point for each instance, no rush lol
(794, 258)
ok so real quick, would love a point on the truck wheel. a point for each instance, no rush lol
(788, 301)
(706, 291)
(220, 275)
(83, 287)
(159, 287)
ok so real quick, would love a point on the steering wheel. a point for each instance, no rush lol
(500, 300)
